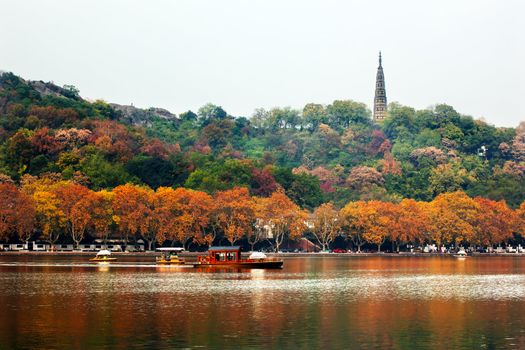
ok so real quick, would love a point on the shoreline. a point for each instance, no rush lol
(270, 255)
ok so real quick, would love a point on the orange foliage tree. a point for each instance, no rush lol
(17, 213)
(183, 214)
(93, 212)
(495, 222)
(452, 217)
(410, 224)
(50, 218)
(235, 213)
(69, 195)
(325, 224)
(282, 216)
(380, 218)
(353, 222)
(102, 213)
(134, 212)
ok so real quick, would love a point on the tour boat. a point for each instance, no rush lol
(169, 256)
(462, 254)
(231, 257)
(103, 256)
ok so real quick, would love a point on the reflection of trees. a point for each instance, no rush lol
(88, 308)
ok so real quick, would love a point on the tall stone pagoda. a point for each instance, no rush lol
(380, 97)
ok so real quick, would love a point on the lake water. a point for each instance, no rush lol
(326, 303)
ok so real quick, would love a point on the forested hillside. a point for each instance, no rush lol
(71, 169)
(318, 154)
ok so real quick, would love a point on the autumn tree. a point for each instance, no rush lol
(102, 215)
(134, 214)
(69, 195)
(50, 218)
(380, 218)
(235, 213)
(183, 214)
(325, 224)
(354, 222)
(260, 227)
(452, 216)
(283, 217)
(495, 222)
(410, 224)
(362, 178)
(17, 213)
(93, 212)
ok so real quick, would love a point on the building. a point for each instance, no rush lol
(380, 103)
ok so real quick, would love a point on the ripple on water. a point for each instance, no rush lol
(337, 286)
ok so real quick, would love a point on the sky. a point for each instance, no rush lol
(248, 54)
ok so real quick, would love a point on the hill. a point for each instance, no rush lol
(319, 154)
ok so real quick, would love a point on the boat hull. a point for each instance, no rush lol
(102, 259)
(278, 264)
(167, 262)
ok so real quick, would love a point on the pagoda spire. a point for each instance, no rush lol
(380, 102)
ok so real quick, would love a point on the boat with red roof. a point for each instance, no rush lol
(231, 257)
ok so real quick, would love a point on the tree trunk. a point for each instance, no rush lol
(379, 247)
(77, 243)
(277, 244)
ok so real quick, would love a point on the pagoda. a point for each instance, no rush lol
(380, 103)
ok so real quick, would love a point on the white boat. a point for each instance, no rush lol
(462, 254)
(102, 256)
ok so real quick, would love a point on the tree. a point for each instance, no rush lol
(50, 218)
(352, 223)
(362, 178)
(283, 217)
(134, 214)
(69, 195)
(342, 114)
(210, 112)
(154, 172)
(7, 209)
(102, 215)
(447, 178)
(262, 183)
(325, 224)
(235, 213)
(183, 214)
(380, 218)
(495, 222)
(17, 213)
(93, 212)
(452, 217)
(260, 227)
(410, 224)
(313, 115)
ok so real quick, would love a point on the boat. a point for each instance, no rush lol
(103, 256)
(461, 254)
(169, 256)
(231, 257)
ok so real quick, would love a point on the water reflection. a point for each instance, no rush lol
(311, 303)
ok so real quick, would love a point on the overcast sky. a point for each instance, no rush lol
(245, 54)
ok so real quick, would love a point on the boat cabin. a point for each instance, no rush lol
(224, 254)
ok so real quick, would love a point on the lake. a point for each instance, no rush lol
(64, 302)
